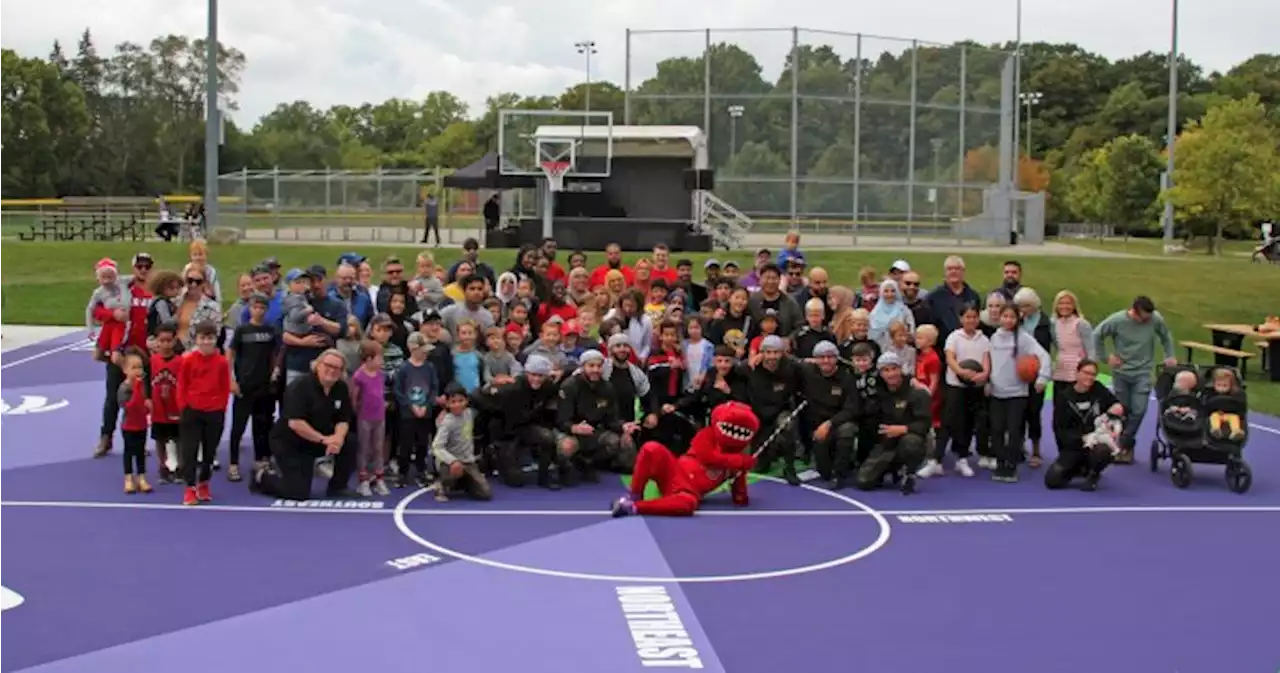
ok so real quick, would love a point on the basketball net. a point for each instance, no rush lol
(555, 171)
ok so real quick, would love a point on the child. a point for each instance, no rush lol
(589, 320)
(253, 351)
(1183, 384)
(468, 369)
(455, 451)
(571, 343)
(165, 412)
(900, 345)
(867, 383)
(204, 384)
(416, 387)
(698, 355)
(768, 327)
(438, 353)
(655, 306)
(708, 309)
(295, 307)
(426, 287)
(513, 336)
(349, 345)
(380, 331)
(499, 365)
(519, 316)
(548, 346)
(860, 320)
(666, 368)
(814, 331)
(1009, 393)
(368, 385)
(135, 404)
(108, 311)
(1224, 425)
(494, 306)
(870, 292)
(929, 376)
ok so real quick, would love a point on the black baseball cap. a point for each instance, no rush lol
(271, 263)
(431, 315)
(317, 271)
(259, 270)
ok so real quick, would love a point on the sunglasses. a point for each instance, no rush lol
(907, 283)
(143, 266)
(394, 271)
(195, 281)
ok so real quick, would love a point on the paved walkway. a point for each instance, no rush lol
(400, 236)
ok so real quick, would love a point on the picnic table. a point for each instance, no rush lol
(1232, 337)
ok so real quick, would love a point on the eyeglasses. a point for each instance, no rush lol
(195, 281)
(143, 266)
(907, 283)
(330, 366)
(392, 272)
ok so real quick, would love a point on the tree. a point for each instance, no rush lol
(44, 125)
(1228, 169)
(1118, 184)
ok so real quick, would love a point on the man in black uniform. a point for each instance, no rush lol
(588, 426)
(774, 382)
(904, 423)
(518, 411)
(726, 382)
(831, 413)
(315, 421)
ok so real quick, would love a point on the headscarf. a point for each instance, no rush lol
(886, 312)
(507, 297)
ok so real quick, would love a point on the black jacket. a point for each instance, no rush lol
(908, 405)
(584, 401)
(773, 393)
(832, 398)
(700, 402)
(517, 405)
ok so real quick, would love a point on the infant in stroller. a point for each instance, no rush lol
(1202, 420)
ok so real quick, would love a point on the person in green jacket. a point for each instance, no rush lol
(1133, 334)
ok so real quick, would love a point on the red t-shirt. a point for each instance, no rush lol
(204, 381)
(135, 409)
(164, 389)
(929, 372)
(668, 276)
(597, 276)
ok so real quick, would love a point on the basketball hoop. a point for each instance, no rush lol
(555, 171)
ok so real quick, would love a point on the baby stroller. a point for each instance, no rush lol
(1182, 429)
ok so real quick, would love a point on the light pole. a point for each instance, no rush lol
(1172, 131)
(587, 48)
(1030, 99)
(211, 119)
(735, 113)
(936, 143)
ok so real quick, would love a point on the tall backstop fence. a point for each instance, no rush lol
(836, 128)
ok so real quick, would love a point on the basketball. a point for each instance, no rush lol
(1028, 368)
(971, 365)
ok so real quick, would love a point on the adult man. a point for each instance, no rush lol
(139, 301)
(946, 300)
(472, 306)
(492, 211)
(628, 381)
(662, 265)
(316, 419)
(694, 293)
(589, 428)
(904, 423)
(264, 282)
(818, 288)
(897, 270)
(833, 407)
(1133, 333)
(549, 248)
(771, 297)
(612, 261)
(521, 420)
(345, 292)
(328, 324)
(775, 385)
(1012, 279)
(921, 311)
(471, 253)
(430, 219)
(393, 282)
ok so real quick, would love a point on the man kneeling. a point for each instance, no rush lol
(905, 419)
(455, 450)
(1083, 450)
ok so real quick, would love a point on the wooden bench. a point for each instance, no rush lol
(1242, 357)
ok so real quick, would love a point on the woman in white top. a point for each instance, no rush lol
(635, 324)
(968, 366)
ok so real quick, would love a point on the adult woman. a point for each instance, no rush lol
(1035, 323)
(1076, 408)
(1072, 340)
(890, 309)
(841, 300)
(454, 290)
(315, 421)
(364, 278)
(991, 316)
(580, 287)
(616, 282)
(401, 324)
(506, 292)
(603, 299)
(198, 253)
(195, 305)
(635, 324)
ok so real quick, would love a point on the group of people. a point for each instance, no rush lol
(453, 376)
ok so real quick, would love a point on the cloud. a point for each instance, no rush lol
(343, 51)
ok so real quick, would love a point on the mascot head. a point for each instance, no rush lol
(734, 425)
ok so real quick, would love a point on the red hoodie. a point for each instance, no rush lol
(135, 410)
(204, 381)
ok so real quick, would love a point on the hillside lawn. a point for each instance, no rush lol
(49, 283)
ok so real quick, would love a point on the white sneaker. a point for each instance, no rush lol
(363, 490)
(324, 468)
(931, 468)
(962, 467)
(986, 462)
(380, 487)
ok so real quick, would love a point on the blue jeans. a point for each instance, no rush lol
(1134, 392)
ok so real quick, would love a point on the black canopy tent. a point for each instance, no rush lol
(484, 174)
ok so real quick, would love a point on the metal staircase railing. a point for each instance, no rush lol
(726, 225)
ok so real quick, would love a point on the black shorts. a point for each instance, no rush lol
(164, 432)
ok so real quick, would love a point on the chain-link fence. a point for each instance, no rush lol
(330, 203)
(835, 130)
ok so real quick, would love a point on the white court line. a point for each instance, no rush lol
(37, 356)
(1136, 509)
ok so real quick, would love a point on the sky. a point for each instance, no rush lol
(349, 51)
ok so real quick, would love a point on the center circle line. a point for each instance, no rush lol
(882, 539)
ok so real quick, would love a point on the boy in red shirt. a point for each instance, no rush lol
(929, 376)
(204, 385)
(135, 403)
(165, 412)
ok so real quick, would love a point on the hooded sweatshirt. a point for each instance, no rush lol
(1006, 348)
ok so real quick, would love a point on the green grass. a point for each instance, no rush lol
(1155, 246)
(48, 283)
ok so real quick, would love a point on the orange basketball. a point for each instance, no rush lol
(1028, 367)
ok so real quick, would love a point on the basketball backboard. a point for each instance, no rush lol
(527, 138)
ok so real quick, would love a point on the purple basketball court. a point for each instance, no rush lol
(966, 576)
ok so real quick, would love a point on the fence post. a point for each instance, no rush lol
(706, 91)
(626, 84)
(960, 151)
(795, 122)
(911, 138)
(857, 132)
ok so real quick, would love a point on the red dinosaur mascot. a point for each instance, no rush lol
(715, 456)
